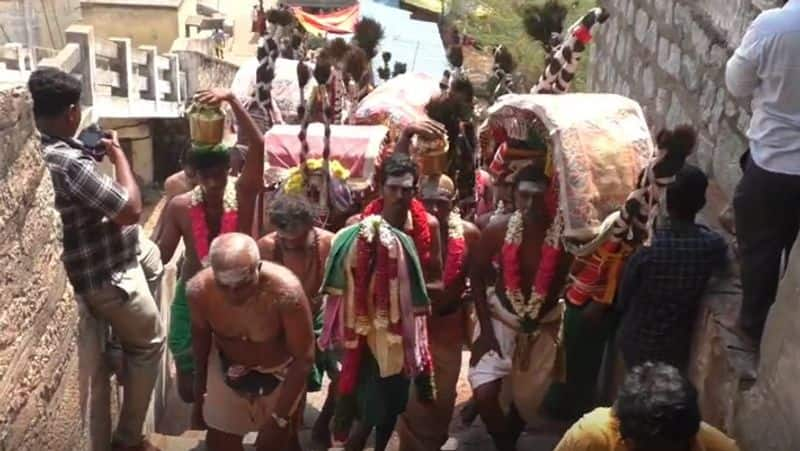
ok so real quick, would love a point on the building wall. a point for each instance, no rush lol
(187, 8)
(50, 18)
(144, 25)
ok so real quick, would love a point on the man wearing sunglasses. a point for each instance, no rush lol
(253, 347)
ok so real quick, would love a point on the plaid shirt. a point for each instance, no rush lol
(661, 289)
(95, 248)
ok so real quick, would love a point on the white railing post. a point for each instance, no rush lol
(128, 79)
(83, 35)
(153, 89)
(174, 77)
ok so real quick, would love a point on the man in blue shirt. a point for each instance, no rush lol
(765, 68)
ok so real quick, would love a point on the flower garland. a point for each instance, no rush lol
(197, 213)
(526, 309)
(456, 249)
(421, 233)
(376, 259)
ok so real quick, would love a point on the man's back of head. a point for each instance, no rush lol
(686, 196)
(56, 100)
(657, 409)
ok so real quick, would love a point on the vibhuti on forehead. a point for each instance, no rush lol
(402, 181)
(234, 276)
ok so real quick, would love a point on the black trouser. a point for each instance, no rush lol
(767, 209)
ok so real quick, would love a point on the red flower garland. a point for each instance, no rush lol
(456, 250)
(200, 233)
(419, 218)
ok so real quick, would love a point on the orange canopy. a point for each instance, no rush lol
(342, 21)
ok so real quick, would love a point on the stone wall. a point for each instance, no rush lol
(768, 415)
(44, 404)
(56, 390)
(670, 55)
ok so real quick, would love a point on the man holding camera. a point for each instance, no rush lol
(101, 240)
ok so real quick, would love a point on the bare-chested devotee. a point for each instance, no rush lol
(395, 247)
(518, 330)
(303, 248)
(218, 204)
(253, 347)
(424, 426)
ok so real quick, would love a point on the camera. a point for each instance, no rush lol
(92, 137)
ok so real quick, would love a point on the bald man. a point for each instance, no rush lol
(253, 347)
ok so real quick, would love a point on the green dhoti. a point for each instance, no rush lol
(179, 338)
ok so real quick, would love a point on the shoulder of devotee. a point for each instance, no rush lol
(198, 284)
(279, 278)
(471, 231)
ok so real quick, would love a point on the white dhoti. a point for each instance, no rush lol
(227, 410)
(528, 362)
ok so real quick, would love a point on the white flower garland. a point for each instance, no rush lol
(229, 200)
(525, 309)
(455, 228)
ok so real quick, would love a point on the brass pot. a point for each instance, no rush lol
(206, 124)
(432, 163)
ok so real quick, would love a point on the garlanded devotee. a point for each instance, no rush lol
(253, 346)
(424, 426)
(517, 338)
(219, 204)
(376, 274)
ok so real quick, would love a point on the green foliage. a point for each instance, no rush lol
(494, 22)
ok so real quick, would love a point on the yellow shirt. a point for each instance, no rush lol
(599, 431)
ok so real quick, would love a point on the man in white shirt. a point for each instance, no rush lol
(766, 68)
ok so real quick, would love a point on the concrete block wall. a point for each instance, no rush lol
(670, 55)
